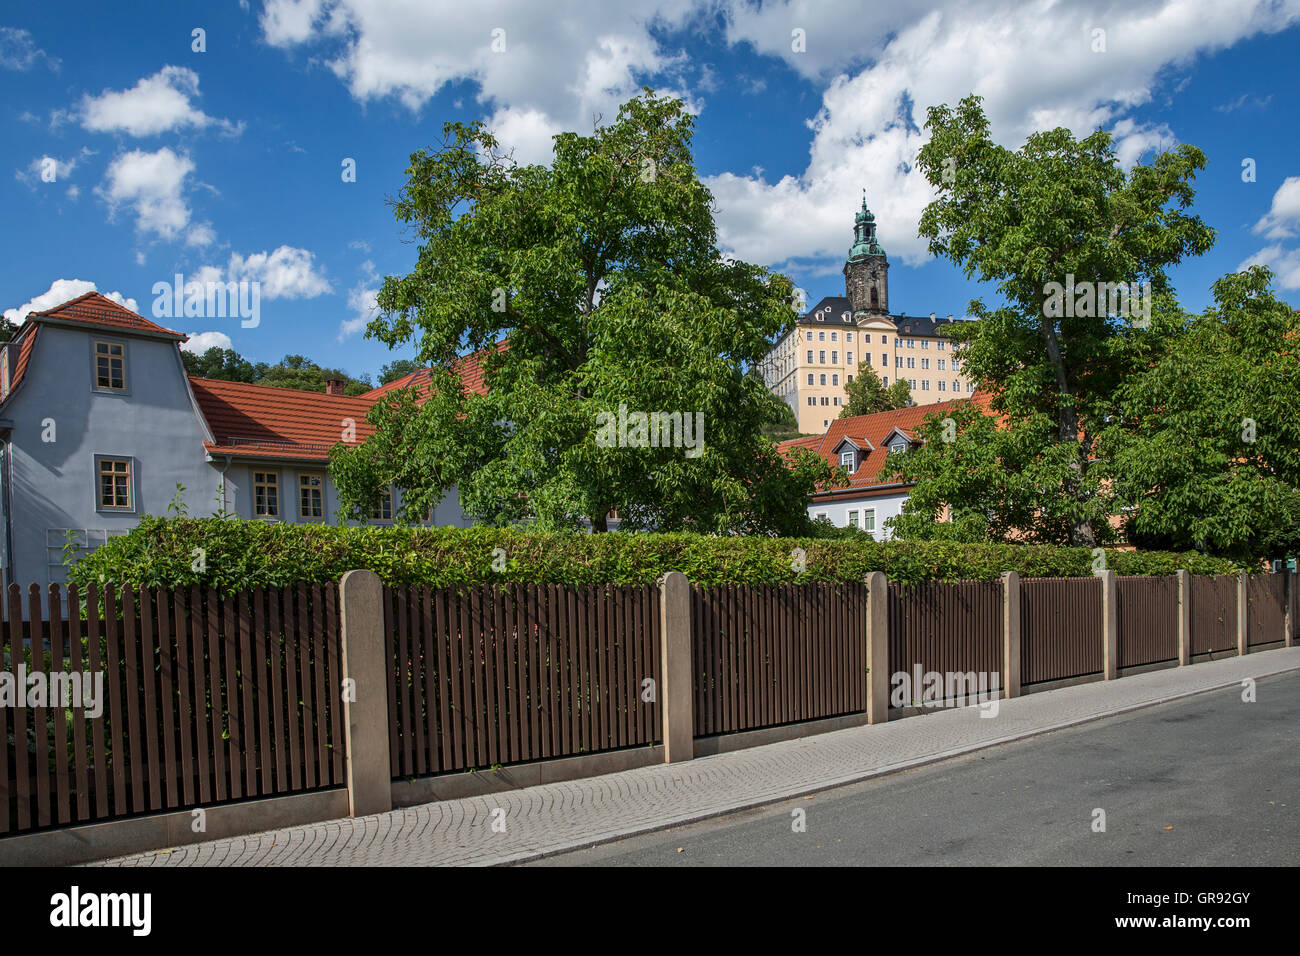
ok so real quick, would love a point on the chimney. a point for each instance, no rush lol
(334, 387)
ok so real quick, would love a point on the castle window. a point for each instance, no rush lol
(835, 380)
(884, 339)
(810, 356)
(941, 345)
(823, 379)
(941, 364)
(821, 357)
(925, 343)
(850, 378)
(110, 366)
(821, 336)
(943, 386)
(810, 378)
(848, 358)
(835, 336)
(848, 337)
(810, 335)
(835, 357)
(885, 381)
(925, 385)
(925, 363)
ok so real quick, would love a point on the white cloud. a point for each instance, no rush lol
(1285, 263)
(1033, 64)
(1283, 218)
(154, 105)
(200, 342)
(35, 172)
(152, 185)
(286, 273)
(558, 68)
(200, 234)
(19, 52)
(60, 291)
(362, 301)
(1135, 142)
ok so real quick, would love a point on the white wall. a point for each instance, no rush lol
(885, 506)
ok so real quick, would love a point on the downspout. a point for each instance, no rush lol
(6, 477)
(223, 484)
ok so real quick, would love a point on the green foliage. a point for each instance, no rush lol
(1206, 444)
(224, 364)
(867, 395)
(604, 273)
(1056, 208)
(249, 554)
(397, 368)
(292, 371)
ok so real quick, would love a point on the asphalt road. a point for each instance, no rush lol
(1209, 780)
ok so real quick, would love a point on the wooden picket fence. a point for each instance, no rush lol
(211, 698)
(207, 700)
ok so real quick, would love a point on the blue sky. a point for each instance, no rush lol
(228, 162)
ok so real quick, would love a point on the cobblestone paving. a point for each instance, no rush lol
(543, 820)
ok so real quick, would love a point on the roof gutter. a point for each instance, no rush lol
(849, 492)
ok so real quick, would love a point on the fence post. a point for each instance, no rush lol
(877, 648)
(1288, 616)
(1109, 624)
(1184, 617)
(1011, 634)
(675, 667)
(1243, 615)
(364, 664)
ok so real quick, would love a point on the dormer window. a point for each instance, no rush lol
(848, 459)
(898, 445)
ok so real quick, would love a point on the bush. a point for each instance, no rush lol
(234, 555)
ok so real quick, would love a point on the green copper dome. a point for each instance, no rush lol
(864, 234)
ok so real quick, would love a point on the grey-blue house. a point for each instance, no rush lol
(99, 424)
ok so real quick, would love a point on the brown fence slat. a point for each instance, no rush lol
(199, 701)
(149, 668)
(41, 759)
(184, 676)
(230, 634)
(62, 795)
(218, 711)
(81, 758)
(22, 766)
(275, 651)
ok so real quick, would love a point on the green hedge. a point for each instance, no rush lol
(164, 552)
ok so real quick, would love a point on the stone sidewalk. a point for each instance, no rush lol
(545, 820)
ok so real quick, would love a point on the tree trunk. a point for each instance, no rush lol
(1082, 534)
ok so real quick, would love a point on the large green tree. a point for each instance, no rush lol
(604, 274)
(866, 394)
(1057, 213)
(1205, 447)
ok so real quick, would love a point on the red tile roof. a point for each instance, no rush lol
(95, 309)
(871, 431)
(261, 421)
(468, 367)
(26, 340)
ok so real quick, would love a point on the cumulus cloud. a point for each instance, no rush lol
(200, 342)
(1283, 218)
(547, 69)
(1035, 64)
(60, 291)
(18, 51)
(156, 104)
(286, 273)
(152, 186)
(364, 305)
(1285, 263)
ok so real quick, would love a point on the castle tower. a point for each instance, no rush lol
(866, 272)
